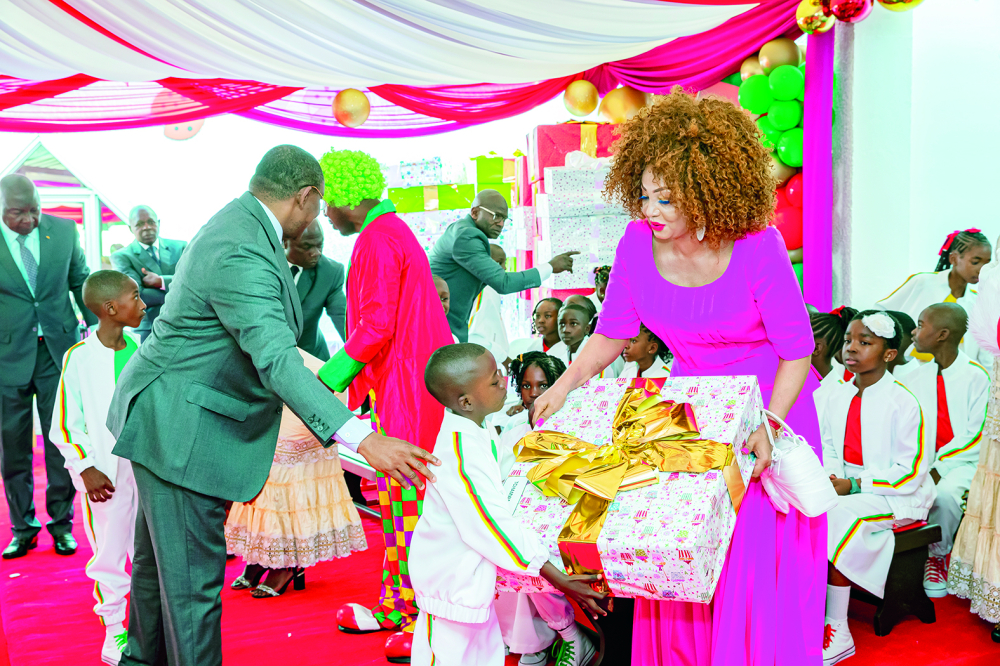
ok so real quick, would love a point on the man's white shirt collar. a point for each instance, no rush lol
(279, 232)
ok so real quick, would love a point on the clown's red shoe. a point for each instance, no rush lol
(356, 619)
(398, 647)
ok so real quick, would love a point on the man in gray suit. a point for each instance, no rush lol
(320, 283)
(462, 258)
(150, 261)
(41, 263)
(198, 406)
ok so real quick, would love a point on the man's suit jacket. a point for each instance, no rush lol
(62, 270)
(200, 403)
(461, 257)
(322, 288)
(132, 259)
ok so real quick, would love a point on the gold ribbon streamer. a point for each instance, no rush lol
(588, 139)
(649, 434)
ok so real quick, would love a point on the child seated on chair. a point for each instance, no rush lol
(646, 356)
(953, 391)
(466, 530)
(875, 453)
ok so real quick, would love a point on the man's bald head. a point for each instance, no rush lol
(498, 255)
(452, 370)
(19, 203)
(951, 316)
(489, 212)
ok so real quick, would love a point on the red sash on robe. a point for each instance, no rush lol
(944, 432)
(852, 436)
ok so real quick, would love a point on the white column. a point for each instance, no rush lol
(92, 231)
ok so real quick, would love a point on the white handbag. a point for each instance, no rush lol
(796, 476)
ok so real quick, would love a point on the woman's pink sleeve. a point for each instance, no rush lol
(618, 319)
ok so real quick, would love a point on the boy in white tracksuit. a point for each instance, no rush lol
(107, 488)
(875, 452)
(953, 392)
(486, 326)
(466, 530)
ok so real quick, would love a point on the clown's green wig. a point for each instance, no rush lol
(351, 176)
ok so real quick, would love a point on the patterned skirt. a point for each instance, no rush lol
(975, 560)
(304, 514)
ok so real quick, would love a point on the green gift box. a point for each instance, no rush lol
(453, 197)
(431, 197)
(408, 199)
(489, 169)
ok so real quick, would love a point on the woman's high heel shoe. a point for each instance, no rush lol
(298, 581)
(252, 573)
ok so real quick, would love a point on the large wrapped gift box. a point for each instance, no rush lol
(548, 145)
(594, 236)
(663, 534)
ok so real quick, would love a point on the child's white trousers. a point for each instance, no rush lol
(441, 642)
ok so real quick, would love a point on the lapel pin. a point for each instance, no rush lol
(47, 237)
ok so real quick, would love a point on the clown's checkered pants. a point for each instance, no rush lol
(400, 509)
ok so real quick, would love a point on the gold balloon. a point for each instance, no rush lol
(351, 107)
(622, 103)
(899, 5)
(580, 97)
(812, 19)
(750, 67)
(777, 52)
(781, 171)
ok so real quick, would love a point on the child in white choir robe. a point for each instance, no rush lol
(466, 530)
(828, 339)
(544, 326)
(107, 488)
(875, 452)
(646, 356)
(962, 256)
(529, 622)
(574, 327)
(904, 363)
(953, 392)
(486, 325)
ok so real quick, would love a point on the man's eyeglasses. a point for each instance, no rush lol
(322, 201)
(497, 217)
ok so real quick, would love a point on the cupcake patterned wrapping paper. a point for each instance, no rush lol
(666, 541)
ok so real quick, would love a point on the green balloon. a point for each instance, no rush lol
(734, 79)
(755, 94)
(771, 133)
(798, 273)
(786, 82)
(785, 114)
(790, 147)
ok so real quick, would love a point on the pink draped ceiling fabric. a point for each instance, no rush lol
(83, 103)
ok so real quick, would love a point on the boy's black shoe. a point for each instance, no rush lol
(19, 547)
(65, 544)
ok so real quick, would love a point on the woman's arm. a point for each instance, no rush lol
(788, 383)
(597, 354)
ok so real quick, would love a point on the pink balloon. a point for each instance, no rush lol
(789, 223)
(793, 191)
(781, 198)
(851, 11)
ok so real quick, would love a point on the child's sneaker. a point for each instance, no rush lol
(534, 658)
(578, 652)
(115, 639)
(935, 577)
(838, 644)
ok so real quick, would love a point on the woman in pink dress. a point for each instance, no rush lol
(705, 273)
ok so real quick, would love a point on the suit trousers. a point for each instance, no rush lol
(16, 424)
(175, 616)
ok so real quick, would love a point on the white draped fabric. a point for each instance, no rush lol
(339, 43)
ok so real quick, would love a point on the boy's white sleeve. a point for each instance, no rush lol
(896, 299)
(478, 507)
(69, 430)
(832, 464)
(963, 449)
(909, 464)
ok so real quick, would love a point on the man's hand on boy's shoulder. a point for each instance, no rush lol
(98, 485)
(400, 460)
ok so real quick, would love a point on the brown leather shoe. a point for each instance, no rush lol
(19, 547)
(65, 544)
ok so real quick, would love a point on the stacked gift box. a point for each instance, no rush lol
(666, 529)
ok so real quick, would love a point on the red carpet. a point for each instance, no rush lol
(47, 618)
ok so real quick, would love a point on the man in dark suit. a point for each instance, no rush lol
(320, 283)
(461, 257)
(150, 261)
(197, 408)
(41, 264)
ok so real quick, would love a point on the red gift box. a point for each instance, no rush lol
(549, 144)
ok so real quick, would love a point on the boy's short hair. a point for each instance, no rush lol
(450, 369)
(951, 316)
(103, 286)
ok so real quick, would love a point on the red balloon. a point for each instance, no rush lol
(789, 223)
(781, 198)
(851, 11)
(793, 191)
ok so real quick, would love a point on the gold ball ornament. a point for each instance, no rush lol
(351, 107)
(750, 67)
(580, 98)
(621, 104)
(899, 5)
(778, 52)
(811, 18)
(781, 171)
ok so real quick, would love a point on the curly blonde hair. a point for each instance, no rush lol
(709, 154)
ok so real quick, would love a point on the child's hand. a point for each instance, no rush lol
(842, 486)
(577, 587)
(516, 409)
(99, 488)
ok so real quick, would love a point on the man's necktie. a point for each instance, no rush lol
(295, 270)
(152, 253)
(28, 259)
